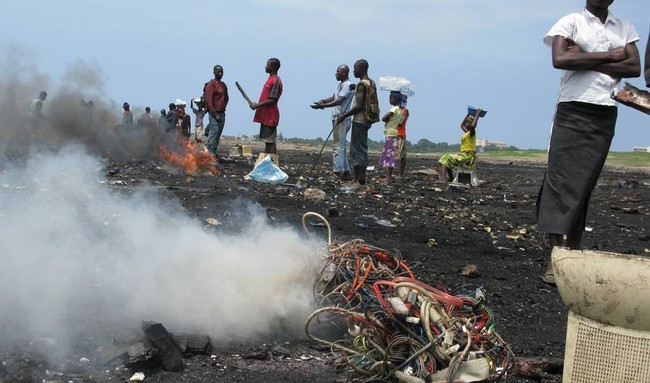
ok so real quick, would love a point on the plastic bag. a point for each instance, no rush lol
(397, 84)
(266, 172)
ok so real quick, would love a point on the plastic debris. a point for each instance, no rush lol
(137, 377)
(385, 223)
(266, 172)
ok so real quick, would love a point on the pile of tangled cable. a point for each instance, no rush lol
(396, 328)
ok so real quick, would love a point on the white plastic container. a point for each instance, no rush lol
(608, 329)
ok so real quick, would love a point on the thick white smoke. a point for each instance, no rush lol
(78, 255)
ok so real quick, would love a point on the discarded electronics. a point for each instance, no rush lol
(608, 330)
(392, 326)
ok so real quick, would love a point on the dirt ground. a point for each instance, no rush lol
(438, 231)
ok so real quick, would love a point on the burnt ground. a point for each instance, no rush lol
(437, 230)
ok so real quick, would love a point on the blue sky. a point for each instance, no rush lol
(458, 52)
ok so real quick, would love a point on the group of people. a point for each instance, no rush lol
(593, 48)
(355, 110)
(174, 120)
(355, 107)
(215, 100)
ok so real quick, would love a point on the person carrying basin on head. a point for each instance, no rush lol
(466, 157)
(198, 108)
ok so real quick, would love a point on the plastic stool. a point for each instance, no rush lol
(465, 176)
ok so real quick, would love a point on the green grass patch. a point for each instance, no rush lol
(636, 159)
(641, 159)
(524, 154)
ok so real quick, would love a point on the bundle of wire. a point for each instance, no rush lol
(394, 327)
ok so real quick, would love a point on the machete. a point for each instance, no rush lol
(243, 93)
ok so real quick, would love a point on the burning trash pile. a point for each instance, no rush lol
(397, 328)
(192, 157)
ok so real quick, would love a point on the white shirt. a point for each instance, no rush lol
(342, 91)
(591, 35)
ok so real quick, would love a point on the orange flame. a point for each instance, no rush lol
(193, 159)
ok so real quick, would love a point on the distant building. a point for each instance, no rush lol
(638, 149)
(482, 144)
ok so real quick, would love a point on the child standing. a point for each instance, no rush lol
(391, 119)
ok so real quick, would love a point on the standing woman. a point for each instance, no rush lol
(595, 50)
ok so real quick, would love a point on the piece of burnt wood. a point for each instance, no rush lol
(538, 367)
(170, 354)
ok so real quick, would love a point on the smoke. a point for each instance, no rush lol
(79, 256)
(67, 115)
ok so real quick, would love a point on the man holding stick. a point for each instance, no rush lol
(266, 109)
(340, 101)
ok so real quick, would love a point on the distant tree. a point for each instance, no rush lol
(426, 146)
(422, 146)
(493, 148)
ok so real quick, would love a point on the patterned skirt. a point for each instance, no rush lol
(388, 153)
(464, 159)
